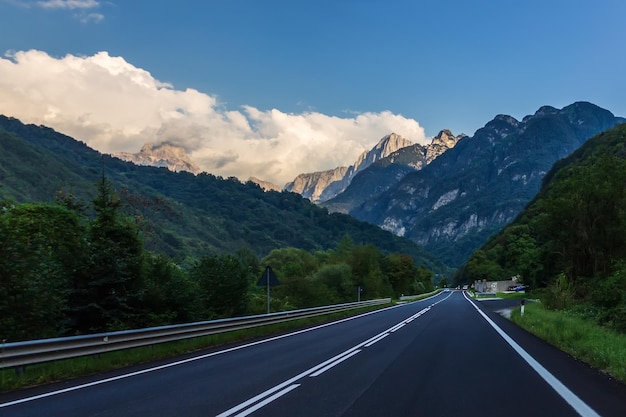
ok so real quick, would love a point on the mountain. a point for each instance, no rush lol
(182, 215)
(265, 185)
(324, 185)
(471, 191)
(575, 225)
(384, 173)
(172, 157)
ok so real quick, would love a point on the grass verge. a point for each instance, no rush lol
(411, 298)
(87, 365)
(597, 346)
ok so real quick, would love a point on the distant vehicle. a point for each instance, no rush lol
(517, 288)
(465, 287)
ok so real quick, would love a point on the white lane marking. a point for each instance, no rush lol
(337, 362)
(268, 400)
(320, 368)
(395, 329)
(184, 361)
(572, 399)
(290, 381)
(376, 340)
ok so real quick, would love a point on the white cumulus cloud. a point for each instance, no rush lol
(114, 106)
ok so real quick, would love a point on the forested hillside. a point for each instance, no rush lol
(89, 243)
(64, 272)
(570, 238)
(181, 215)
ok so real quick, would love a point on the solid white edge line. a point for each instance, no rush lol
(332, 365)
(572, 399)
(268, 400)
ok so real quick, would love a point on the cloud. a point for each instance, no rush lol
(69, 4)
(90, 17)
(83, 10)
(114, 106)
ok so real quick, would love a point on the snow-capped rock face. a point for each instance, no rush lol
(172, 157)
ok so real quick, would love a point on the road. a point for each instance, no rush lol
(444, 356)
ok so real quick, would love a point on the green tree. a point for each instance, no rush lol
(107, 297)
(336, 281)
(482, 267)
(41, 252)
(401, 272)
(169, 295)
(366, 264)
(223, 286)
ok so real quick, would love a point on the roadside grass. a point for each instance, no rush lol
(504, 295)
(410, 298)
(597, 346)
(32, 375)
(513, 295)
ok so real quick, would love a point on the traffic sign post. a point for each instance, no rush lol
(268, 279)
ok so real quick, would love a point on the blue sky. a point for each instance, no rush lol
(429, 64)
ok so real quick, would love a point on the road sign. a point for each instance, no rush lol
(268, 278)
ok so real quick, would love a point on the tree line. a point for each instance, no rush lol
(72, 268)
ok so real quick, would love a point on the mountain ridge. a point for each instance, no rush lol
(384, 173)
(183, 216)
(471, 191)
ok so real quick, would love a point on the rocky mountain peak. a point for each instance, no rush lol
(386, 146)
(170, 156)
(544, 110)
(446, 138)
(322, 186)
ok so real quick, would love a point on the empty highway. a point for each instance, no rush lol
(443, 356)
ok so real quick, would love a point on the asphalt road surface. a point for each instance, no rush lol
(444, 356)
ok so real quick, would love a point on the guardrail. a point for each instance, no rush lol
(18, 354)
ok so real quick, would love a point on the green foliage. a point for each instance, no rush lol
(41, 250)
(334, 276)
(170, 295)
(404, 277)
(337, 281)
(107, 297)
(181, 215)
(598, 346)
(570, 239)
(136, 255)
(222, 285)
(610, 296)
(560, 294)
